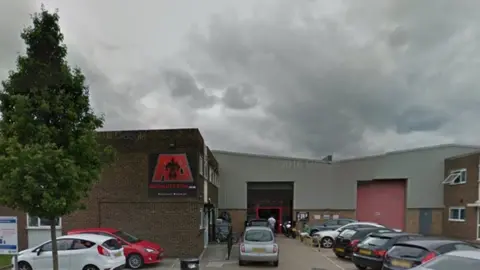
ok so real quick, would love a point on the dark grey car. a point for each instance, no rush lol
(331, 225)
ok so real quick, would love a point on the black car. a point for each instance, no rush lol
(411, 253)
(348, 240)
(369, 253)
(331, 225)
(258, 222)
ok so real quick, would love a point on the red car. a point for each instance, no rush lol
(138, 252)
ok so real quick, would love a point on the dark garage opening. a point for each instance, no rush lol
(265, 199)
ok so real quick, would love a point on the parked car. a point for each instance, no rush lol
(326, 238)
(83, 251)
(138, 252)
(412, 253)
(331, 225)
(258, 245)
(346, 242)
(369, 252)
(455, 260)
(258, 222)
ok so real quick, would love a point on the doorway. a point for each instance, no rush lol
(267, 212)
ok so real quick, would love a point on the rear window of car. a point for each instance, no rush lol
(376, 241)
(407, 251)
(258, 223)
(258, 236)
(112, 244)
(448, 262)
(347, 233)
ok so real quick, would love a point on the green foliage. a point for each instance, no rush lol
(49, 154)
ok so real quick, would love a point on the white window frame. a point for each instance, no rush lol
(200, 165)
(478, 175)
(456, 177)
(450, 218)
(202, 219)
(478, 223)
(41, 227)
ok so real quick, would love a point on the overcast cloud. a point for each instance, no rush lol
(301, 78)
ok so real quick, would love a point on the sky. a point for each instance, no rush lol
(278, 77)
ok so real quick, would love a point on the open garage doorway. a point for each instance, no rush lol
(266, 199)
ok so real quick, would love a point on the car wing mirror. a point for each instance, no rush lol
(39, 251)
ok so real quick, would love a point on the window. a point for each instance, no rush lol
(344, 222)
(62, 244)
(259, 235)
(457, 214)
(201, 218)
(331, 223)
(456, 177)
(478, 223)
(41, 223)
(200, 165)
(464, 247)
(82, 244)
(127, 237)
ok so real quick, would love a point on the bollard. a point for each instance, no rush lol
(192, 263)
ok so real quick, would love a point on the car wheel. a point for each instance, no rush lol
(24, 266)
(135, 261)
(90, 267)
(326, 242)
(360, 267)
(275, 263)
(340, 256)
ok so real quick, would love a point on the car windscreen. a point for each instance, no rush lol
(258, 236)
(127, 237)
(448, 262)
(376, 241)
(347, 233)
(112, 244)
(407, 251)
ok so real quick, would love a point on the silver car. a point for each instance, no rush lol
(258, 245)
(455, 260)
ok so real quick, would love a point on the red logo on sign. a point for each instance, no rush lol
(172, 168)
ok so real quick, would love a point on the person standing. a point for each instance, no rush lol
(272, 222)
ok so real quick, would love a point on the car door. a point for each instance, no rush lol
(79, 251)
(44, 260)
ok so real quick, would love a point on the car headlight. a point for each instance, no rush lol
(149, 250)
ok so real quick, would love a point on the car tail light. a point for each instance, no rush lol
(242, 248)
(103, 251)
(275, 248)
(355, 249)
(380, 253)
(354, 243)
(429, 257)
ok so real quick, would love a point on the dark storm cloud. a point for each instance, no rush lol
(183, 85)
(329, 80)
(239, 97)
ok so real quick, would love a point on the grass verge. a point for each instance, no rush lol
(5, 260)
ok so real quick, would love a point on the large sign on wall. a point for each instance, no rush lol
(170, 175)
(8, 236)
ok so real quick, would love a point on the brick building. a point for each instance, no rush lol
(462, 196)
(126, 198)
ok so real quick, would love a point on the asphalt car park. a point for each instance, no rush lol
(293, 255)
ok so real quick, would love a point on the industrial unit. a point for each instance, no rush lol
(167, 186)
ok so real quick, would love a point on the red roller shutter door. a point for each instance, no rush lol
(382, 201)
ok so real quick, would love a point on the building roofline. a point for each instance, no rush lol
(423, 148)
(270, 156)
(464, 155)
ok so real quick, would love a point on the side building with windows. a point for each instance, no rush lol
(462, 196)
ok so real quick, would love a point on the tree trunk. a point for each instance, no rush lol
(53, 236)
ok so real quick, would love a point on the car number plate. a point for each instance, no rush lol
(401, 263)
(340, 249)
(118, 254)
(258, 250)
(365, 252)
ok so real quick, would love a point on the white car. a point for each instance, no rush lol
(258, 245)
(79, 251)
(326, 238)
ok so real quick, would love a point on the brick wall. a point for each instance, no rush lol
(460, 196)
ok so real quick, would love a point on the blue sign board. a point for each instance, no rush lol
(8, 236)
